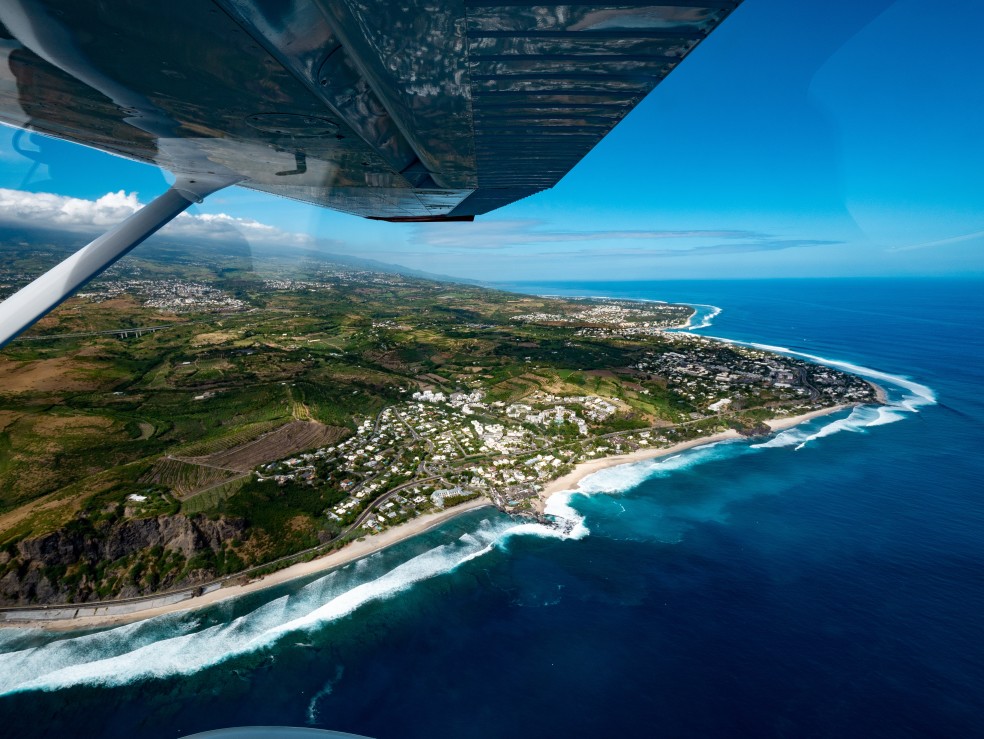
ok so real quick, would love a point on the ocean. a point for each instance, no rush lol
(828, 582)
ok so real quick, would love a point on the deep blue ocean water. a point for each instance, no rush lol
(829, 583)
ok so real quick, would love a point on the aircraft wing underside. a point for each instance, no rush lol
(410, 110)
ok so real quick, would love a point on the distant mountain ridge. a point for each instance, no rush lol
(164, 248)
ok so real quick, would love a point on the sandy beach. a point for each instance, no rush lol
(779, 424)
(371, 544)
(582, 470)
(355, 550)
(572, 478)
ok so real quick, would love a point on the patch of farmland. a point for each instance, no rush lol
(242, 435)
(289, 439)
(186, 478)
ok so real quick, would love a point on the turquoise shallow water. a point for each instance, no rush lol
(826, 583)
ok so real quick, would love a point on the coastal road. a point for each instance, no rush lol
(126, 606)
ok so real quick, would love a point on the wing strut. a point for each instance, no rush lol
(33, 301)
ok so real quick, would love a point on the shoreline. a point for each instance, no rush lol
(358, 549)
(568, 483)
(347, 554)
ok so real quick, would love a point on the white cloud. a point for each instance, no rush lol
(47, 210)
(509, 233)
(506, 233)
(222, 225)
(941, 242)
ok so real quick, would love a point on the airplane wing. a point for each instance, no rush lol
(401, 110)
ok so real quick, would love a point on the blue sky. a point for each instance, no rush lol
(843, 138)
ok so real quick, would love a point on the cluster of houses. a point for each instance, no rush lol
(618, 316)
(552, 416)
(286, 283)
(417, 455)
(741, 372)
(437, 447)
(173, 296)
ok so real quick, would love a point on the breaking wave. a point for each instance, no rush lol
(904, 397)
(703, 318)
(914, 395)
(627, 476)
(181, 644)
(859, 419)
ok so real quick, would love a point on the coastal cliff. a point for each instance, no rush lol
(126, 558)
(339, 408)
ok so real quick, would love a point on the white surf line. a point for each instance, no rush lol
(705, 321)
(914, 396)
(167, 646)
(622, 478)
(921, 394)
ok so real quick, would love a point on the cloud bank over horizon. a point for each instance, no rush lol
(505, 234)
(500, 234)
(495, 248)
(61, 212)
(529, 237)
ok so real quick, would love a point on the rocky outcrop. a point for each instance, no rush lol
(176, 533)
(759, 429)
(78, 561)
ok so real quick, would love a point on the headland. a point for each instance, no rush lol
(256, 429)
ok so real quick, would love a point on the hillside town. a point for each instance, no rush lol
(170, 296)
(616, 318)
(439, 449)
(288, 413)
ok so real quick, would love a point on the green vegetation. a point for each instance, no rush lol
(99, 427)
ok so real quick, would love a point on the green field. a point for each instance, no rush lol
(181, 416)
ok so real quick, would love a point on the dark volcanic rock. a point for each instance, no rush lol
(759, 429)
(34, 574)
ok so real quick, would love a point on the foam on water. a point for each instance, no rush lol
(571, 522)
(913, 395)
(180, 644)
(860, 418)
(630, 475)
(172, 645)
(326, 690)
(904, 396)
(703, 318)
